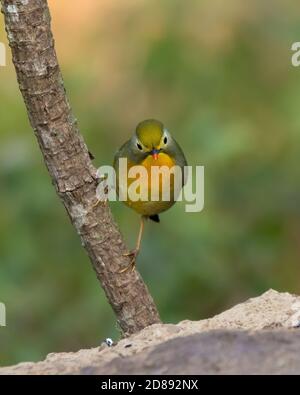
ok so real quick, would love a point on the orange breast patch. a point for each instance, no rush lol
(156, 181)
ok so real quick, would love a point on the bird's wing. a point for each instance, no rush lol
(180, 159)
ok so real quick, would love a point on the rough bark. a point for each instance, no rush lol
(66, 156)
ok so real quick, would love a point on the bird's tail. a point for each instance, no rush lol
(155, 218)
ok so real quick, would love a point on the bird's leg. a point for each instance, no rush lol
(134, 253)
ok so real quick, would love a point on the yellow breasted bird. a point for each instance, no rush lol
(151, 145)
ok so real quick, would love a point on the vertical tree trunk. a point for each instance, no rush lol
(66, 156)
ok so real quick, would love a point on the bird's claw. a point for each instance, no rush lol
(130, 267)
(133, 254)
(96, 204)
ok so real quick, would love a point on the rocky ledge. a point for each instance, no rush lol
(260, 336)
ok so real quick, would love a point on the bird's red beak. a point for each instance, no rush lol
(154, 154)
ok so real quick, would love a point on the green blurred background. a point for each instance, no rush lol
(219, 75)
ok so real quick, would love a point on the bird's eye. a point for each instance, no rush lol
(139, 146)
(165, 140)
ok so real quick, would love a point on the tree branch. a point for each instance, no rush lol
(66, 156)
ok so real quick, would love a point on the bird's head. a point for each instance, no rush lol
(150, 138)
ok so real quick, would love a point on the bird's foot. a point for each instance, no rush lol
(133, 255)
(96, 203)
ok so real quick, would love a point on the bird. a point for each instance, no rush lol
(150, 145)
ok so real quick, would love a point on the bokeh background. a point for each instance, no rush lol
(219, 75)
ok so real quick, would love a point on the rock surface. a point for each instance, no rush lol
(259, 336)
